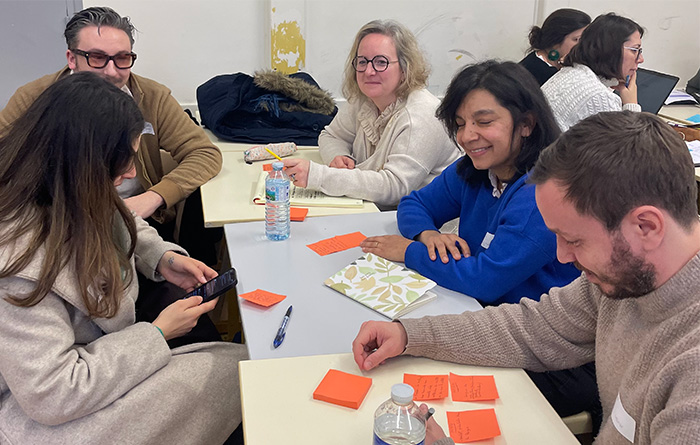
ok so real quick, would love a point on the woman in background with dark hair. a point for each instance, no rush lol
(553, 41)
(497, 114)
(605, 59)
(74, 364)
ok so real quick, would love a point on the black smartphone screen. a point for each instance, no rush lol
(215, 287)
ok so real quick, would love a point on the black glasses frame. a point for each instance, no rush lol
(87, 55)
(359, 59)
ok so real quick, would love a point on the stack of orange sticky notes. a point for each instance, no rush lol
(343, 389)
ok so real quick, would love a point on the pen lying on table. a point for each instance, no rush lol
(281, 332)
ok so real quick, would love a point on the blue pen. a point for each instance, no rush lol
(279, 338)
(627, 81)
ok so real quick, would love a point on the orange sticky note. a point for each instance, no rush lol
(343, 389)
(470, 388)
(337, 243)
(298, 213)
(262, 297)
(427, 387)
(351, 239)
(267, 167)
(470, 426)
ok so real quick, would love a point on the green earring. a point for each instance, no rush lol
(553, 55)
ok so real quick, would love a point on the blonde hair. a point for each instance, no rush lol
(413, 65)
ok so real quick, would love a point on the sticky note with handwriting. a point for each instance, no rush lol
(343, 389)
(427, 387)
(337, 243)
(470, 388)
(474, 425)
(262, 297)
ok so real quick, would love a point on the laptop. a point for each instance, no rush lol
(653, 88)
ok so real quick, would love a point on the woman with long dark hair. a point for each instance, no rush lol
(73, 361)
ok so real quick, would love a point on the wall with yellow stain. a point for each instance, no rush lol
(288, 47)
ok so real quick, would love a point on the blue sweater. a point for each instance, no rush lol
(513, 254)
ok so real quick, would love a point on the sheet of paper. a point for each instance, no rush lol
(471, 426)
(427, 387)
(262, 297)
(471, 388)
(343, 389)
(298, 213)
(337, 243)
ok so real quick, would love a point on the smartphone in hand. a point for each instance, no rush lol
(216, 286)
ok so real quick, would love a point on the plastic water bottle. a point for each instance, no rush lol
(398, 421)
(277, 203)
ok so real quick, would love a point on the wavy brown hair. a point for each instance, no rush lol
(58, 163)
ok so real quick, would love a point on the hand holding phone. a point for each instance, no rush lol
(215, 287)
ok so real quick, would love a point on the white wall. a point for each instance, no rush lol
(184, 43)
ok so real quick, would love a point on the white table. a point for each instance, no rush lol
(278, 407)
(323, 321)
(228, 197)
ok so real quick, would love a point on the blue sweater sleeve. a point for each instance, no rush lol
(521, 247)
(431, 206)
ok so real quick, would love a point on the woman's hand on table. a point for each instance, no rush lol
(184, 271)
(444, 244)
(342, 162)
(298, 171)
(390, 247)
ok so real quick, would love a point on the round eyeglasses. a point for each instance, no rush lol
(123, 61)
(379, 63)
(636, 50)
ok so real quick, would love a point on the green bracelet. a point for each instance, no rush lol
(160, 330)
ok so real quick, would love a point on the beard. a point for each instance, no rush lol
(629, 275)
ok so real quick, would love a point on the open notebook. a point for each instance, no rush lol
(382, 285)
(299, 196)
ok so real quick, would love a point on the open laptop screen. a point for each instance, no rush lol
(653, 88)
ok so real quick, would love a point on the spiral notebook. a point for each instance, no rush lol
(299, 196)
(382, 285)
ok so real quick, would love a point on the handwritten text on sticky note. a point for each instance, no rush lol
(427, 387)
(470, 388)
(262, 297)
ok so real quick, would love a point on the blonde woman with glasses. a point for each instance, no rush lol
(386, 141)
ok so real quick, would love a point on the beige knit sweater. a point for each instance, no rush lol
(647, 350)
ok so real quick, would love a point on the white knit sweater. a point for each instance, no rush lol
(576, 92)
(396, 152)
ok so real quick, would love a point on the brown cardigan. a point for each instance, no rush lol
(198, 159)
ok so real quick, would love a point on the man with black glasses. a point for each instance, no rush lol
(101, 41)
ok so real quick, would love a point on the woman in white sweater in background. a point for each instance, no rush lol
(386, 142)
(605, 59)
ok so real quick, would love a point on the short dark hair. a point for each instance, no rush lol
(611, 163)
(516, 90)
(600, 47)
(96, 16)
(556, 26)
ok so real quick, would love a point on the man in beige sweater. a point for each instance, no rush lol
(618, 190)
(101, 41)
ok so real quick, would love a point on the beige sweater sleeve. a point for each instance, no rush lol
(558, 332)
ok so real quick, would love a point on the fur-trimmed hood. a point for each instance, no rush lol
(309, 97)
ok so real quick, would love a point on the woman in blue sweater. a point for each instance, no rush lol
(497, 114)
